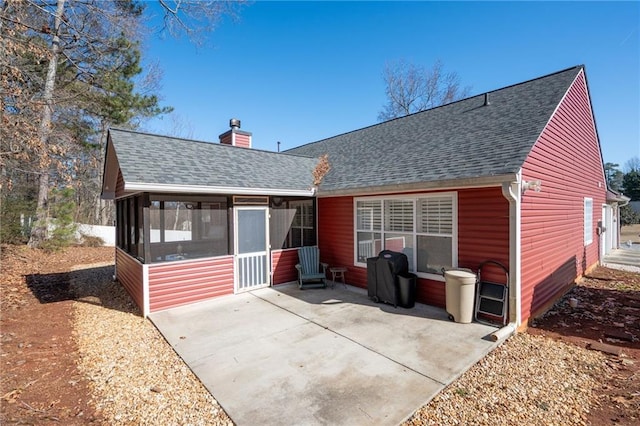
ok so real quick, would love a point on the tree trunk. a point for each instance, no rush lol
(39, 231)
(101, 206)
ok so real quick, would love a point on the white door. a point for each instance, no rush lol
(610, 228)
(251, 248)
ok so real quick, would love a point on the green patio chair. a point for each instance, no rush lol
(309, 274)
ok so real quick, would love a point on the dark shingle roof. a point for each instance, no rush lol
(162, 160)
(461, 140)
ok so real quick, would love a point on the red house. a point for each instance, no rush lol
(514, 175)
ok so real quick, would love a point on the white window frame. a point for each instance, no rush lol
(414, 198)
(588, 221)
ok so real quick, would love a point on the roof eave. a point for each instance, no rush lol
(228, 190)
(615, 197)
(441, 185)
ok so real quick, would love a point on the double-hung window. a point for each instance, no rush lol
(302, 229)
(422, 226)
(588, 221)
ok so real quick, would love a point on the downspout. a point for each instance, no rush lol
(512, 192)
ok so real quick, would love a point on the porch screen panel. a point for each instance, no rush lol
(280, 223)
(182, 229)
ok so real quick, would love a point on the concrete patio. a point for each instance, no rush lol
(623, 258)
(327, 356)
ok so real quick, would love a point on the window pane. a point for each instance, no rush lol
(302, 231)
(435, 215)
(369, 245)
(307, 214)
(369, 216)
(398, 215)
(296, 237)
(309, 237)
(588, 221)
(401, 243)
(434, 253)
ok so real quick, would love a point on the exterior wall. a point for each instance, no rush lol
(119, 185)
(283, 266)
(567, 160)
(483, 234)
(243, 140)
(236, 138)
(178, 283)
(129, 273)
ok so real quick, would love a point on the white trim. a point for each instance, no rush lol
(236, 255)
(587, 227)
(512, 191)
(146, 303)
(197, 189)
(413, 197)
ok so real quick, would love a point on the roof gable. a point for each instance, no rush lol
(464, 140)
(162, 163)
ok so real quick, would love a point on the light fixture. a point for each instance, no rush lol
(535, 185)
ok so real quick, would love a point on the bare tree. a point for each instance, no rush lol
(632, 165)
(412, 88)
(67, 70)
(196, 19)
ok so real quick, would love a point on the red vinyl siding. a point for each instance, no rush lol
(335, 237)
(129, 274)
(178, 283)
(283, 263)
(483, 233)
(566, 159)
(483, 229)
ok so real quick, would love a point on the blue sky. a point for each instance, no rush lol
(298, 72)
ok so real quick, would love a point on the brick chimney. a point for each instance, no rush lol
(235, 136)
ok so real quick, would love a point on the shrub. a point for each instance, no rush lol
(63, 227)
(628, 216)
(90, 241)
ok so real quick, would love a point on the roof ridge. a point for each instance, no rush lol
(212, 143)
(581, 66)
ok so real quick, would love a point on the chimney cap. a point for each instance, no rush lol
(234, 123)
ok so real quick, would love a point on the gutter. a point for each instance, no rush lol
(512, 191)
(439, 185)
(196, 189)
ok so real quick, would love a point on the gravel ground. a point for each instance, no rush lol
(137, 378)
(528, 380)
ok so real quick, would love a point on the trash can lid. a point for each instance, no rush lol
(459, 274)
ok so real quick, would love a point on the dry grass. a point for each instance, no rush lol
(630, 233)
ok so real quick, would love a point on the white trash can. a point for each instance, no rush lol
(460, 289)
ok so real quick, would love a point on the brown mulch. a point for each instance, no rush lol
(74, 350)
(606, 318)
(40, 381)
